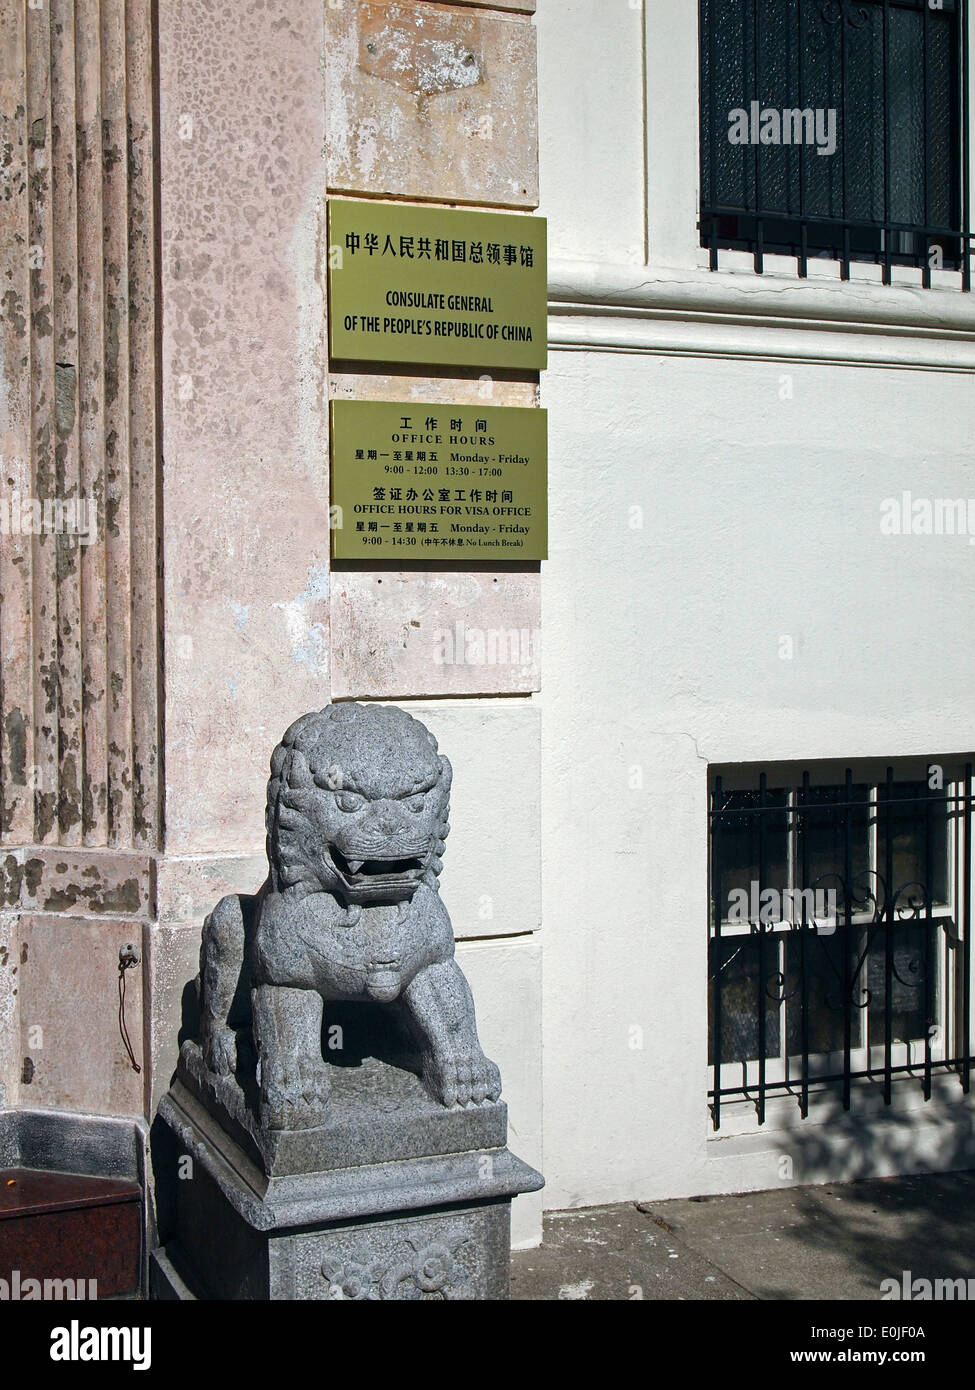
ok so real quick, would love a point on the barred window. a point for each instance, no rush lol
(840, 941)
(837, 128)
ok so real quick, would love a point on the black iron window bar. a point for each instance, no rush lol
(896, 73)
(873, 978)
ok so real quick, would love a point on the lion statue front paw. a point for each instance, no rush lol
(220, 1049)
(462, 1078)
(294, 1096)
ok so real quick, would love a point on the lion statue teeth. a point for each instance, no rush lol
(357, 806)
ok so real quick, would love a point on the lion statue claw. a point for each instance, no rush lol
(356, 820)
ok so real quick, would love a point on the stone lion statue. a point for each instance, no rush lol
(356, 820)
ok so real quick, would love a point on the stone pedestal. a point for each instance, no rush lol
(393, 1197)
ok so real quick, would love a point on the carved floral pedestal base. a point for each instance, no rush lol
(393, 1198)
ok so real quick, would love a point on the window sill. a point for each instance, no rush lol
(738, 1117)
(736, 312)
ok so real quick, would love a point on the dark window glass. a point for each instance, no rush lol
(740, 857)
(830, 965)
(887, 186)
(917, 824)
(737, 961)
(912, 983)
(835, 829)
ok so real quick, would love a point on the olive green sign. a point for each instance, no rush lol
(436, 286)
(414, 480)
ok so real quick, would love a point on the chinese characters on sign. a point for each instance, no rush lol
(444, 482)
(436, 285)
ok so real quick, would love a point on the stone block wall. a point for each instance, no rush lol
(80, 794)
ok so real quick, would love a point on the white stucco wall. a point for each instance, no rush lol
(491, 887)
(720, 446)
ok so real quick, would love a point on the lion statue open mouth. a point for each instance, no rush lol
(357, 807)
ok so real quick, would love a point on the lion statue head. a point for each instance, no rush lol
(357, 805)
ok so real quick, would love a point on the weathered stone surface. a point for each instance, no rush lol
(246, 480)
(97, 1145)
(78, 732)
(72, 1055)
(9, 1036)
(188, 885)
(443, 1257)
(16, 726)
(377, 1113)
(97, 883)
(469, 387)
(525, 6)
(303, 1198)
(171, 965)
(401, 634)
(427, 101)
(79, 785)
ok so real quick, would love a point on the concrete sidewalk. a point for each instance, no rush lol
(836, 1241)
